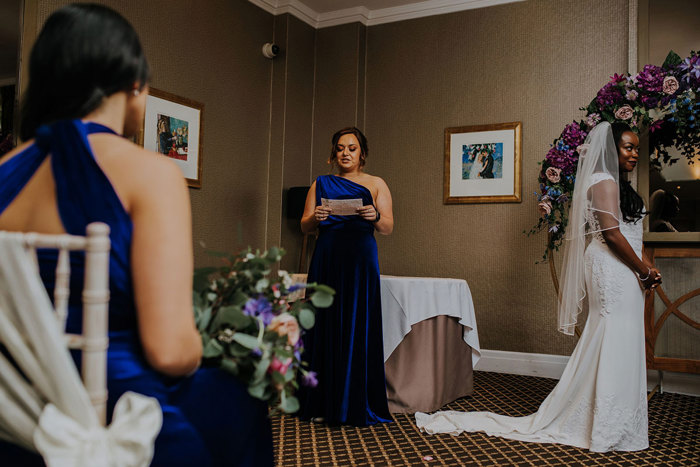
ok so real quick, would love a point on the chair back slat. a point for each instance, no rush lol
(61, 290)
(93, 340)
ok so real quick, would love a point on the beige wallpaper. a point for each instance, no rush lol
(536, 62)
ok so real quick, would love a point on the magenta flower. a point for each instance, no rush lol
(562, 160)
(279, 366)
(609, 94)
(573, 135)
(651, 78)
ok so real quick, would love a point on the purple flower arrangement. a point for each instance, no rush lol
(251, 326)
(662, 100)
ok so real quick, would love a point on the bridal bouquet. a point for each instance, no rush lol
(250, 327)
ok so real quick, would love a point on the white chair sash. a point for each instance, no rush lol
(54, 414)
(128, 441)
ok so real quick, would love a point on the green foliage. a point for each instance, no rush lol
(249, 326)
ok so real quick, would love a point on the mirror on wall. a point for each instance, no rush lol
(10, 18)
(672, 191)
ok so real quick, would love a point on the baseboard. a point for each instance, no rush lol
(552, 366)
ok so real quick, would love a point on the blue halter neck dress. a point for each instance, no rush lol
(208, 418)
(345, 346)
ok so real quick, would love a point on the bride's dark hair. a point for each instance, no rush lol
(631, 204)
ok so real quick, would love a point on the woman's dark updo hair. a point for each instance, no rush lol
(85, 52)
(631, 204)
(351, 130)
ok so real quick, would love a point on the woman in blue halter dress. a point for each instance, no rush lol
(208, 417)
(345, 346)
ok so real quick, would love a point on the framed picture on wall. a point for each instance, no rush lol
(483, 164)
(173, 127)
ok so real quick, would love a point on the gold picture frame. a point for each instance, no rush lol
(483, 164)
(174, 126)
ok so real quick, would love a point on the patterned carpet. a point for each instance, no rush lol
(674, 421)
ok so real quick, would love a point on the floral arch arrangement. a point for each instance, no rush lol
(662, 100)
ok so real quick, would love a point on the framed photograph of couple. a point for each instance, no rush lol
(483, 164)
(173, 127)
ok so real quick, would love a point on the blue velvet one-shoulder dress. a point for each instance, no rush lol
(208, 418)
(345, 346)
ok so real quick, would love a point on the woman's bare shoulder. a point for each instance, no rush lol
(119, 152)
(377, 181)
(133, 170)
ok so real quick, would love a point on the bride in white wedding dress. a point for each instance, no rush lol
(600, 402)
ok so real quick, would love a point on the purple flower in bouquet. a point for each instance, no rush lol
(260, 307)
(691, 68)
(632, 95)
(650, 102)
(651, 78)
(592, 120)
(573, 135)
(609, 94)
(656, 125)
(309, 379)
(563, 160)
(614, 79)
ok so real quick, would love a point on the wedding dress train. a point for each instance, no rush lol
(600, 402)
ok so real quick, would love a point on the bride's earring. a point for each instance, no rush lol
(136, 92)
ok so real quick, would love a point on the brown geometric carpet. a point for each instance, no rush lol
(673, 435)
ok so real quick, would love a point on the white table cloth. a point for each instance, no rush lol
(409, 300)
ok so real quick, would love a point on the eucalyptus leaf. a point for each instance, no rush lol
(262, 284)
(277, 377)
(238, 298)
(260, 370)
(212, 349)
(290, 404)
(237, 350)
(231, 316)
(230, 366)
(203, 319)
(257, 390)
(321, 299)
(306, 318)
(246, 340)
(288, 376)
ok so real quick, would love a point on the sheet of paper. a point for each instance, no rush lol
(343, 207)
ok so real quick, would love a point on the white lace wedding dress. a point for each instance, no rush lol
(600, 402)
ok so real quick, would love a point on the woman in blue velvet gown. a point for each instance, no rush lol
(345, 346)
(88, 85)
